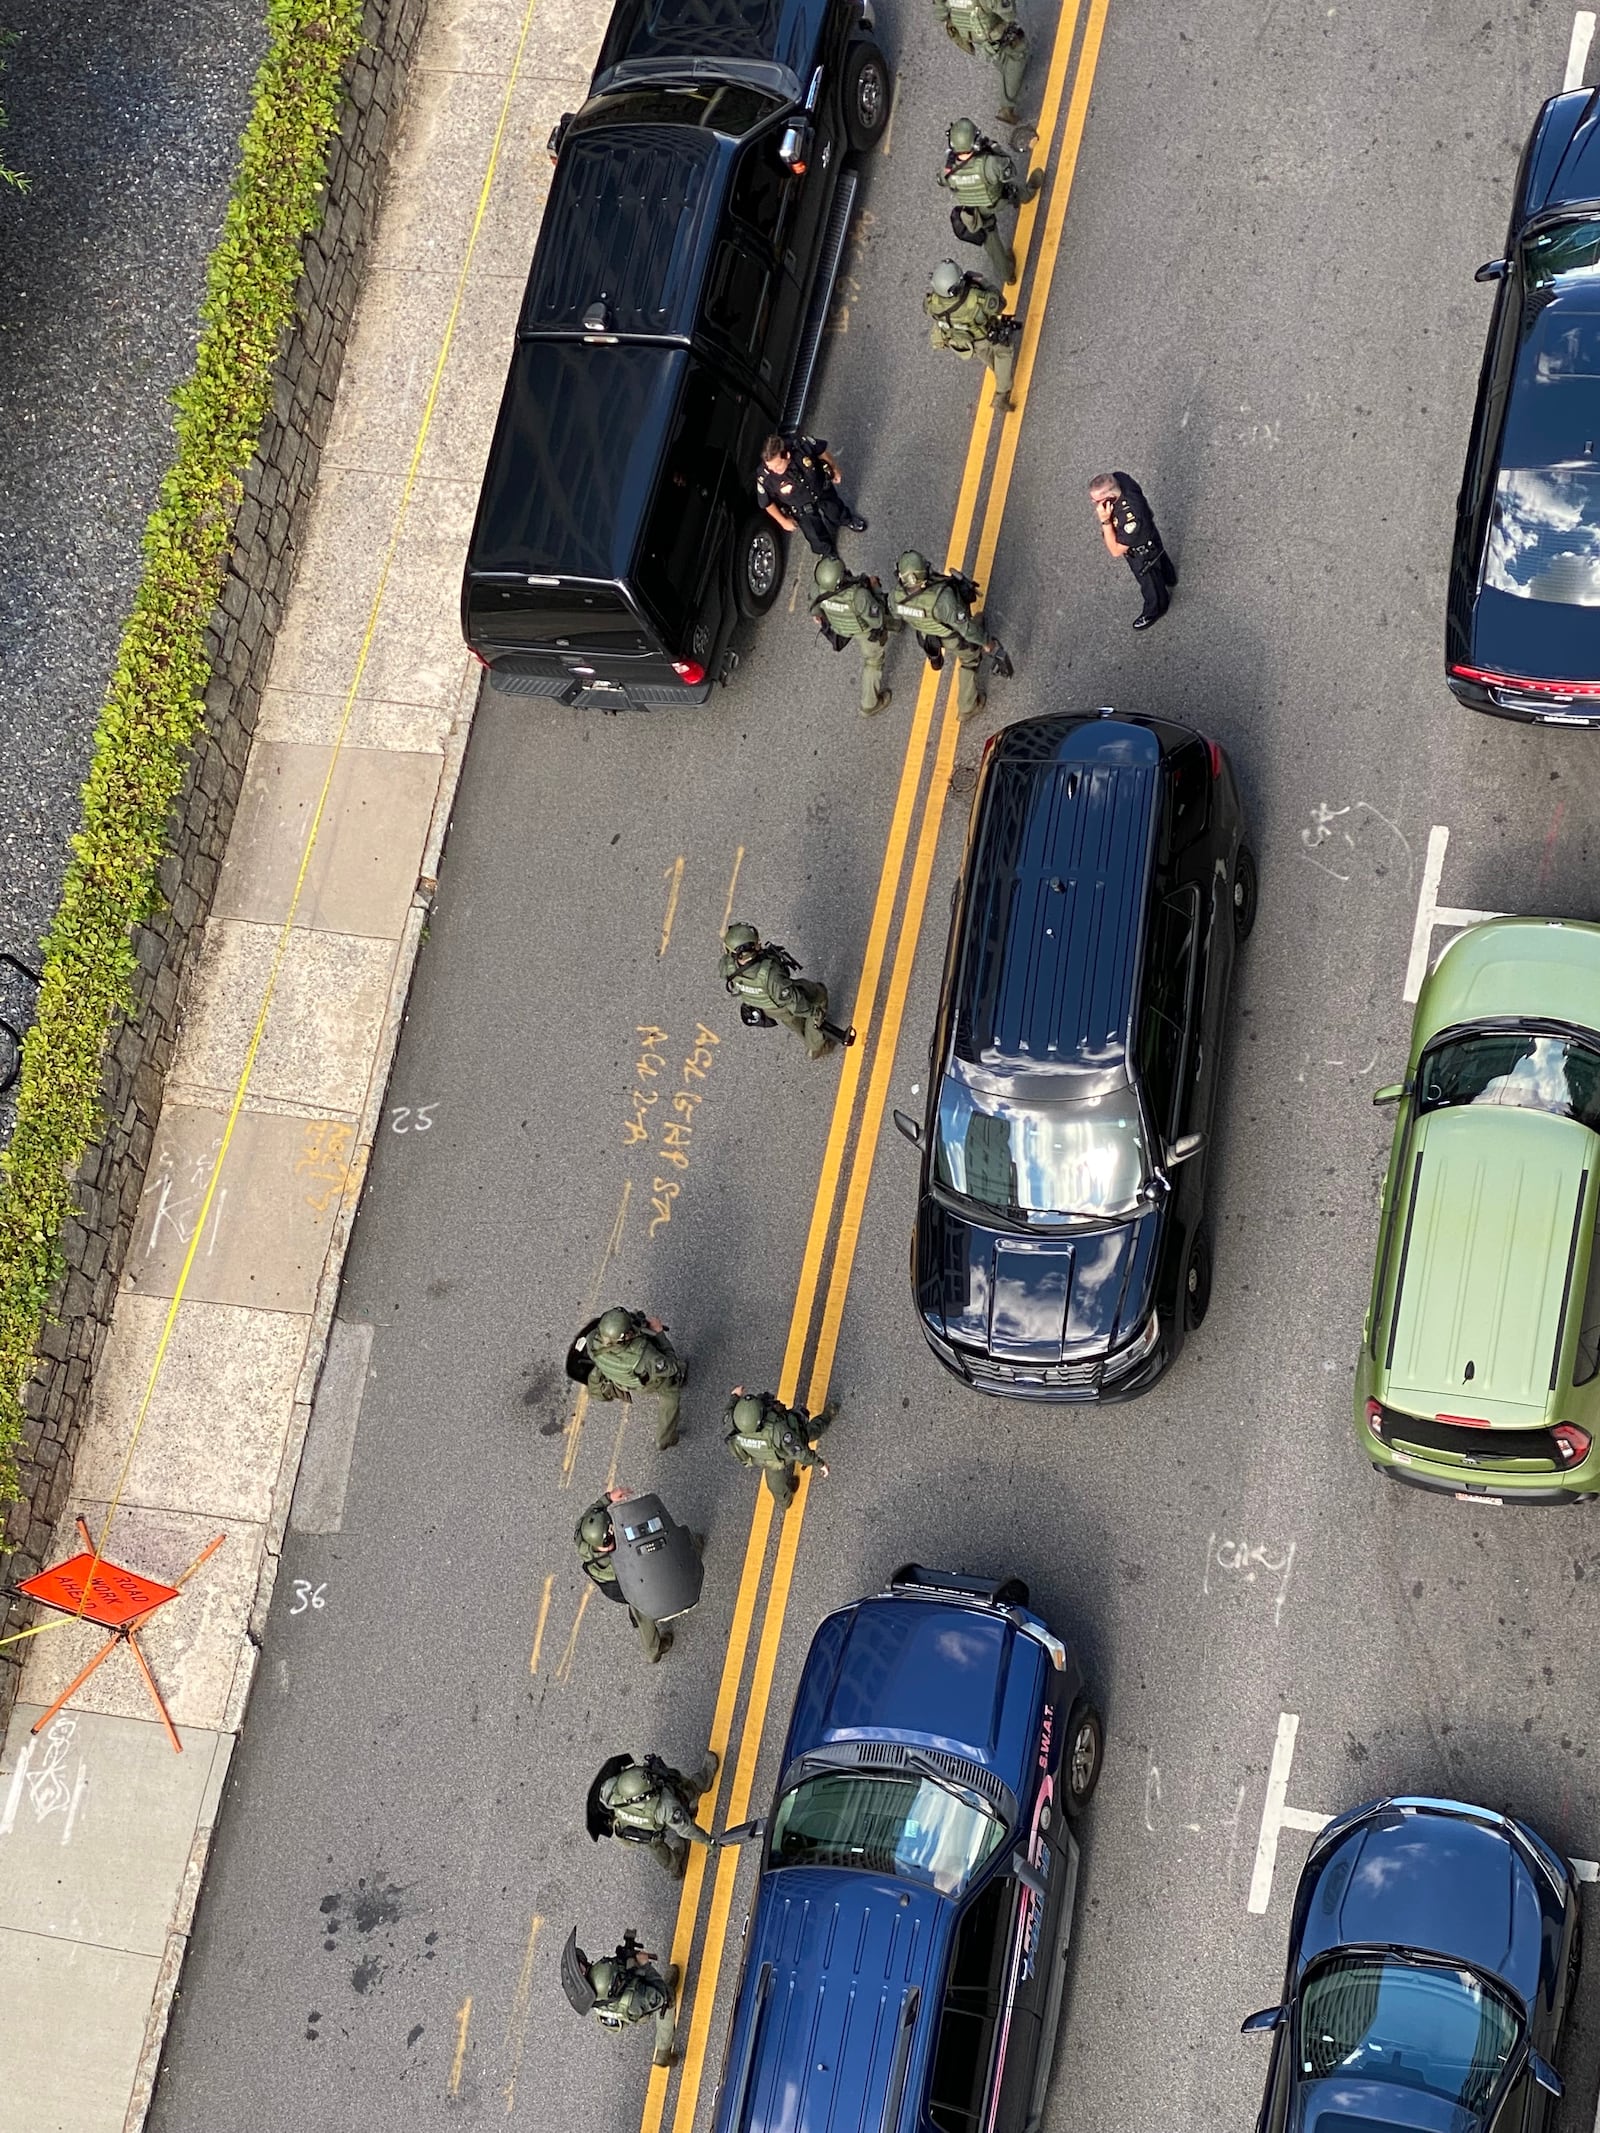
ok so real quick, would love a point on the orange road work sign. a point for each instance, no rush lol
(115, 1597)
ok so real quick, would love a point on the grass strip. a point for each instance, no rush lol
(155, 701)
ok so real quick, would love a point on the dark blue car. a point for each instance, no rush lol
(905, 1959)
(1432, 1956)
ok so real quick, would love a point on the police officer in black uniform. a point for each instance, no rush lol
(799, 486)
(1128, 528)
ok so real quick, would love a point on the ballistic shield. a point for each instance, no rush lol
(575, 1975)
(596, 1815)
(659, 1572)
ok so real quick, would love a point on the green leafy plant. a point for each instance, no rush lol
(8, 176)
(154, 702)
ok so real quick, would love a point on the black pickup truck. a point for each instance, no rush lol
(672, 318)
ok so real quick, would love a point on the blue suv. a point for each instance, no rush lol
(905, 1960)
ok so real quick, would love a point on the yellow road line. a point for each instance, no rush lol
(673, 877)
(564, 1663)
(733, 883)
(580, 1406)
(538, 1627)
(517, 2026)
(463, 2020)
(313, 830)
(709, 1970)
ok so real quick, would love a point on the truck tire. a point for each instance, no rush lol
(867, 93)
(757, 566)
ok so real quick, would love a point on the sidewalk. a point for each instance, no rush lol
(103, 1829)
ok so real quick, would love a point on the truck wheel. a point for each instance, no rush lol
(757, 566)
(1197, 1282)
(867, 90)
(1080, 1766)
(1244, 894)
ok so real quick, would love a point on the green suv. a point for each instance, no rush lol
(1480, 1361)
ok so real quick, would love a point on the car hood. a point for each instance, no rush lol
(1482, 1271)
(1439, 1882)
(845, 1949)
(1338, 2103)
(921, 1672)
(1564, 157)
(1034, 1298)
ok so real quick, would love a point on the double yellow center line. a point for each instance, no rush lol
(882, 1040)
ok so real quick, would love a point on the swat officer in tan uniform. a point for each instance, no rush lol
(762, 977)
(990, 30)
(968, 317)
(982, 181)
(760, 1431)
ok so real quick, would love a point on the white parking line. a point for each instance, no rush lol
(1432, 914)
(1277, 1815)
(1578, 50)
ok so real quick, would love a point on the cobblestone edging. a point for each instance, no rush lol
(278, 488)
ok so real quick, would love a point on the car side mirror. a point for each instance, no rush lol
(1392, 1094)
(1492, 270)
(910, 1127)
(1546, 2076)
(1024, 1871)
(1180, 1150)
(743, 1832)
(1265, 2018)
(794, 148)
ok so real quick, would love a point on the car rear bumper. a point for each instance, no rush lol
(1447, 1477)
(583, 695)
(1524, 710)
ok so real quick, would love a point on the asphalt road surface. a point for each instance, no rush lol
(1262, 306)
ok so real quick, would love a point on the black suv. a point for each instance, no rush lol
(672, 319)
(1060, 1251)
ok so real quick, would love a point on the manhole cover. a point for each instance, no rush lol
(963, 780)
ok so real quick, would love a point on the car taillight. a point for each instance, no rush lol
(1215, 754)
(1571, 1442)
(1492, 680)
(689, 670)
(1375, 1417)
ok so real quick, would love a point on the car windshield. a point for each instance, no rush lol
(885, 1824)
(1521, 1069)
(1544, 535)
(1418, 2025)
(1560, 248)
(1083, 1158)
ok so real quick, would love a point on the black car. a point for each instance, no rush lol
(672, 320)
(1522, 638)
(1060, 1250)
(1433, 1950)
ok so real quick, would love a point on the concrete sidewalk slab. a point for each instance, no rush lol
(363, 870)
(192, 1644)
(267, 1235)
(218, 1415)
(112, 1792)
(404, 312)
(84, 2090)
(327, 1009)
(314, 716)
(416, 654)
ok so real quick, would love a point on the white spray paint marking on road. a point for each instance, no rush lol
(1244, 1561)
(1578, 49)
(46, 1784)
(1152, 1795)
(1277, 1815)
(1431, 914)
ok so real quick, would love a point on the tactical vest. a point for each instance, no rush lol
(765, 982)
(919, 609)
(972, 20)
(976, 183)
(843, 611)
(632, 2002)
(634, 1821)
(961, 325)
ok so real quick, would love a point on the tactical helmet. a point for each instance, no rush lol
(749, 1415)
(594, 1528)
(736, 937)
(913, 570)
(605, 1975)
(945, 279)
(963, 137)
(828, 575)
(629, 1785)
(614, 1325)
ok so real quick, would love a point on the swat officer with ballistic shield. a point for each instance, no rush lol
(645, 1801)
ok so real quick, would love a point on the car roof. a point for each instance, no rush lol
(576, 451)
(1551, 418)
(1492, 1247)
(1541, 969)
(841, 1962)
(1054, 897)
(657, 33)
(630, 225)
